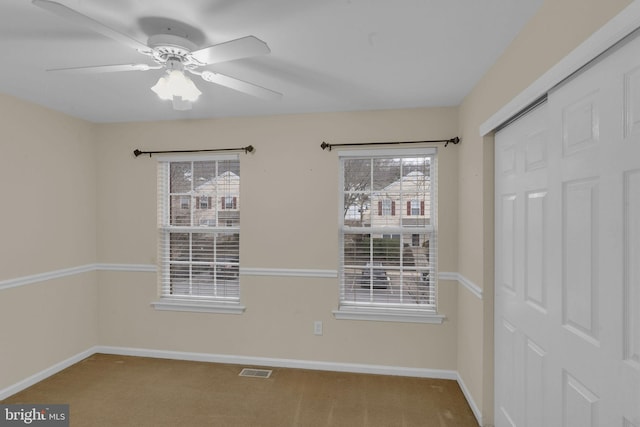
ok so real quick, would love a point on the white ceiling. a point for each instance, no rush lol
(326, 55)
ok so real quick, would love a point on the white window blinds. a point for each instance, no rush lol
(199, 228)
(388, 229)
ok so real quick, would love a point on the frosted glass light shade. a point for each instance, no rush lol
(176, 84)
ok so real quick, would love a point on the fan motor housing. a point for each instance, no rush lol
(168, 47)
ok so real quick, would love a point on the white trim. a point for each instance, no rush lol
(474, 408)
(168, 304)
(612, 32)
(288, 272)
(466, 283)
(42, 277)
(282, 363)
(45, 373)
(470, 286)
(448, 275)
(72, 271)
(151, 268)
(145, 268)
(388, 315)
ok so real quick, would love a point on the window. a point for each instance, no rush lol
(184, 202)
(386, 207)
(200, 246)
(203, 202)
(388, 256)
(414, 208)
(228, 202)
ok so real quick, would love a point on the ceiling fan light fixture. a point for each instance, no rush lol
(176, 84)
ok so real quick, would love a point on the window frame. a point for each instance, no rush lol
(190, 303)
(351, 310)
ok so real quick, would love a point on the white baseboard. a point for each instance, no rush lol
(45, 373)
(247, 360)
(474, 408)
(282, 363)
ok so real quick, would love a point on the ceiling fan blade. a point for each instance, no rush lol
(233, 49)
(241, 86)
(80, 19)
(107, 68)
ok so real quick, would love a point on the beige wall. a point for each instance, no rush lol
(46, 323)
(48, 188)
(289, 220)
(47, 223)
(556, 29)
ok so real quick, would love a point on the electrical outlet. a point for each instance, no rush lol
(317, 327)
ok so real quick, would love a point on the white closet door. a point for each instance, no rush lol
(524, 235)
(567, 324)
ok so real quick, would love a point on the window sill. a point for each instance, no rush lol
(388, 315)
(198, 306)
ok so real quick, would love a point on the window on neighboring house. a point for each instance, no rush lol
(388, 257)
(185, 201)
(199, 251)
(229, 202)
(203, 202)
(386, 207)
(415, 207)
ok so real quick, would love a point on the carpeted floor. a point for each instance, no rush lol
(113, 391)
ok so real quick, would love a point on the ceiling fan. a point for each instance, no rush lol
(176, 55)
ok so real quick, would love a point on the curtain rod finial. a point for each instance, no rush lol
(137, 152)
(324, 146)
(454, 141)
(249, 149)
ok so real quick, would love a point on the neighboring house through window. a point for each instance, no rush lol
(388, 255)
(198, 238)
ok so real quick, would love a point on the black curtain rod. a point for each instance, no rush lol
(325, 145)
(247, 149)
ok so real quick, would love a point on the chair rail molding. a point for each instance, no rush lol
(72, 271)
(466, 283)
